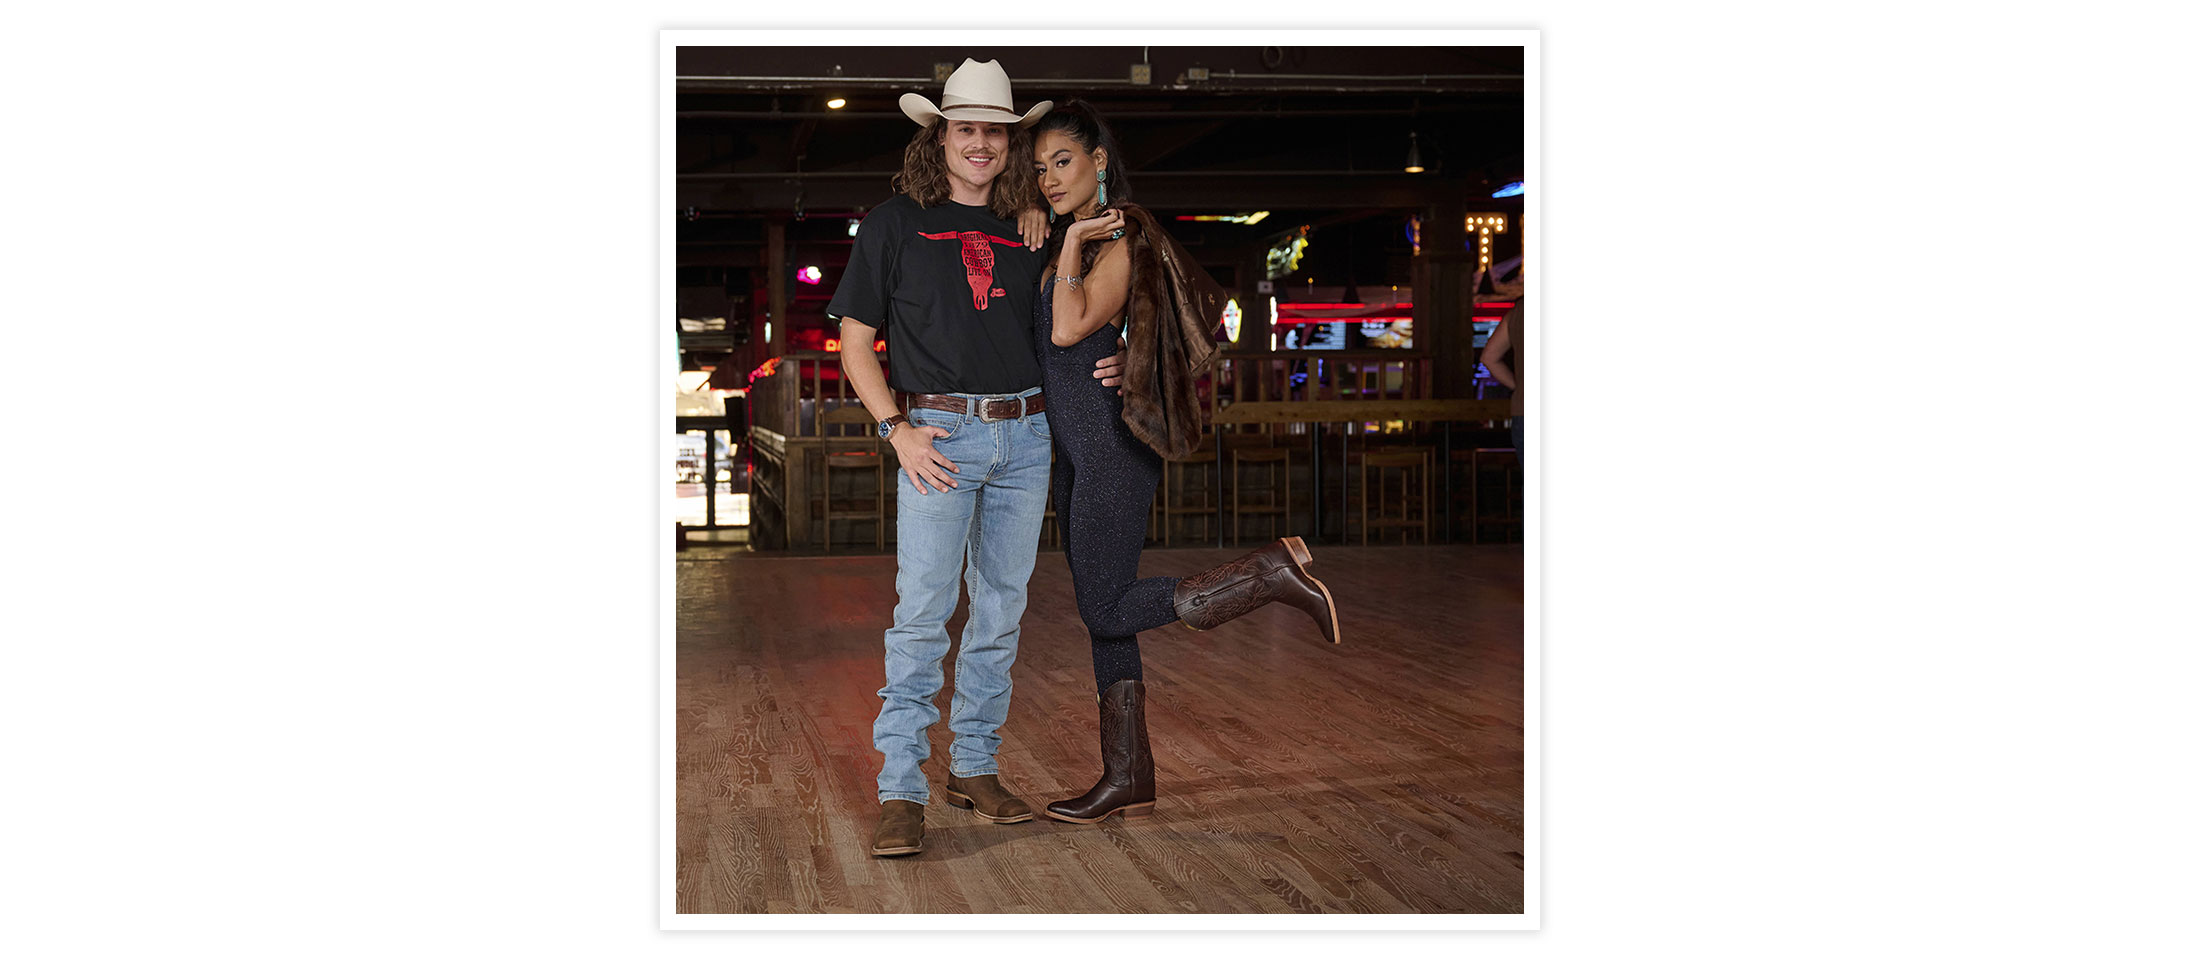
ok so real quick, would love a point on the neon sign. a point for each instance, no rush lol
(1245, 218)
(1283, 259)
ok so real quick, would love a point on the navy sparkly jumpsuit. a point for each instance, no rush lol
(1104, 480)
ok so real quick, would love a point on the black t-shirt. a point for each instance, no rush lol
(950, 288)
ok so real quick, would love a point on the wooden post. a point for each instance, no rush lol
(1253, 328)
(1441, 302)
(790, 386)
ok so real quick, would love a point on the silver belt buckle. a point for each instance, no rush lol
(1023, 407)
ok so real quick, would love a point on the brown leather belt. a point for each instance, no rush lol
(1012, 409)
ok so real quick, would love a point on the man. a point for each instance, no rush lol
(941, 270)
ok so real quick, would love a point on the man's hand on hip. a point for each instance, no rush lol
(913, 444)
(1110, 371)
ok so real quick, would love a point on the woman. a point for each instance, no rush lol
(1110, 265)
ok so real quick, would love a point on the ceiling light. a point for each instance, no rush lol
(1413, 153)
(835, 103)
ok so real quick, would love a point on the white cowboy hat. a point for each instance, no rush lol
(975, 91)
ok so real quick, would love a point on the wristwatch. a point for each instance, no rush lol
(886, 426)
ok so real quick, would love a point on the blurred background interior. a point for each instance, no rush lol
(1361, 206)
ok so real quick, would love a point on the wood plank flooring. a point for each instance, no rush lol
(1383, 775)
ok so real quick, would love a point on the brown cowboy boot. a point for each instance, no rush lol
(986, 797)
(900, 829)
(1126, 761)
(1272, 574)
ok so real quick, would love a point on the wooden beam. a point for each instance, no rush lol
(1159, 147)
(1159, 190)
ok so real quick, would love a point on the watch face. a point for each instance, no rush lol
(885, 430)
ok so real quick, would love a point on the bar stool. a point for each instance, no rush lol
(846, 461)
(1183, 499)
(1413, 485)
(1273, 461)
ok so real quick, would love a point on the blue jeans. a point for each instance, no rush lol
(991, 519)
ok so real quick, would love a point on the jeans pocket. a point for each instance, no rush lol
(950, 422)
(1039, 425)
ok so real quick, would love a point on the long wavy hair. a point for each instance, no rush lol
(924, 176)
(1082, 122)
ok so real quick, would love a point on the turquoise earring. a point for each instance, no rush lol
(1118, 234)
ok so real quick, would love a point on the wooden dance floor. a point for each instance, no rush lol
(1380, 776)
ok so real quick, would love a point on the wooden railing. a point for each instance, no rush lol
(790, 401)
(1330, 401)
(1315, 417)
(1363, 411)
(1322, 375)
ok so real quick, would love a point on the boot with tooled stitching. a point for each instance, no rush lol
(1275, 573)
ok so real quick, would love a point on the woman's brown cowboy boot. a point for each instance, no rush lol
(1275, 573)
(1126, 761)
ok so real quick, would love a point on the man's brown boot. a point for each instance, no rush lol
(986, 797)
(900, 829)
(1275, 573)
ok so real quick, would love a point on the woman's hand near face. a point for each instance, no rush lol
(1096, 228)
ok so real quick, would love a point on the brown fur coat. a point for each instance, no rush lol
(1174, 308)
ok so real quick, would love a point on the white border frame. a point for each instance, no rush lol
(1531, 509)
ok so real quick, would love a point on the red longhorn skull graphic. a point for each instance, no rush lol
(977, 261)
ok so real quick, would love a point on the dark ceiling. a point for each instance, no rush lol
(1316, 136)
